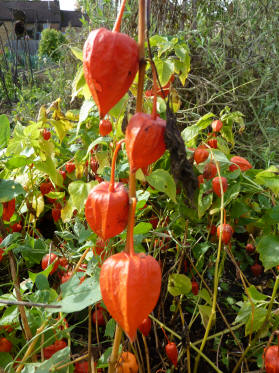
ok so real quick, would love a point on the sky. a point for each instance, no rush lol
(66, 4)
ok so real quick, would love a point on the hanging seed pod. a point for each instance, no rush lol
(130, 285)
(145, 142)
(110, 63)
(107, 206)
(172, 353)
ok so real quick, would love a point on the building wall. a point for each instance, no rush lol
(3, 33)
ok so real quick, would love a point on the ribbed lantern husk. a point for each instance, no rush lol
(130, 285)
(110, 64)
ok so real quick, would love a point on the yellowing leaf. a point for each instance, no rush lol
(38, 204)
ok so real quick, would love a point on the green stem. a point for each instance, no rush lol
(113, 162)
(216, 278)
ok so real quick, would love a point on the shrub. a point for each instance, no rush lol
(50, 44)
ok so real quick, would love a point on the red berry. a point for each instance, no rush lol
(257, 269)
(105, 127)
(213, 230)
(94, 165)
(70, 167)
(213, 143)
(56, 214)
(81, 367)
(243, 164)
(8, 210)
(200, 155)
(210, 170)
(48, 259)
(46, 188)
(172, 353)
(217, 187)
(56, 346)
(16, 227)
(154, 221)
(63, 174)
(195, 287)
(271, 359)
(200, 180)
(216, 125)
(66, 277)
(46, 134)
(145, 326)
(250, 248)
(5, 345)
(98, 316)
(226, 233)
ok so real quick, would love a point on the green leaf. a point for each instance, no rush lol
(9, 190)
(204, 202)
(79, 192)
(269, 178)
(255, 295)
(268, 248)
(190, 133)
(76, 296)
(165, 70)
(17, 161)
(220, 156)
(49, 167)
(163, 182)
(255, 320)
(4, 131)
(77, 52)
(142, 228)
(60, 357)
(110, 328)
(231, 194)
(87, 105)
(103, 361)
(182, 68)
(179, 284)
(204, 294)
(5, 358)
(205, 312)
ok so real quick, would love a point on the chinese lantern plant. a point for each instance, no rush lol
(130, 284)
(107, 206)
(271, 358)
(110, 63)
(145, 136)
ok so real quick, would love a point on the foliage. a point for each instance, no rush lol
(50, 44)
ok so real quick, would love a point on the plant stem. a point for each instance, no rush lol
(154, 76)
(146, 354)
(264, 324)
(113, 162)
(31, 347)
(129, 248)
(142, 63)
(216, 277)
(117, 24)
(114, 355)
(89, 337)
(26, 327)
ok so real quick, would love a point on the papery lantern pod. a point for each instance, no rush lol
(145, 142)
(130, 285)
(240, 162)
(110, 64)
(107, 206)
(271, 357)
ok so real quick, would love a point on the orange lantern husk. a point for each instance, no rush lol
(130, 285)
(144, 136)
(107, 206)
(110, 64)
